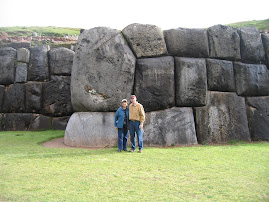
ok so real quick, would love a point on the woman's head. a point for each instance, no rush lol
(124, 103)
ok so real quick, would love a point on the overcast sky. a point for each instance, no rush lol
(117, 14)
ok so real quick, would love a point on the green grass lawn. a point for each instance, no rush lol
(31, 172)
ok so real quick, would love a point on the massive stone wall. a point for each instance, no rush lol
(35, 88)
(196, 85)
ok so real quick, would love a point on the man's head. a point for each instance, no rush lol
(133, 99)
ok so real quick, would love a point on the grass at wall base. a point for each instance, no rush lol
(31, 172)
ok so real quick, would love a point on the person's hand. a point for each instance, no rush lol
(141, 126)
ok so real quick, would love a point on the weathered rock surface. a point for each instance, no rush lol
(18, 45)
(265, 41)
(190, 82)
(1, 122)
(33, 93)
(7, 65)
(170, 127)
(14, 99)
(224, 42)
(23, 55)
(61, 61)
(21, 73)
(40, 122)
(251, 45)
(38, 66)
(251, 79)
(2, 93)
(154, 83)
(258, 117)
(57, 96)
(224, 119)
(102, 72)
(17, 121)
(60, 123)
(145, 40)
(91, 129)
(220, 75)
(187, 42)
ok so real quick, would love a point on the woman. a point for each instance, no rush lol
(121, 123)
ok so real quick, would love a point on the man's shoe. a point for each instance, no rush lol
(140, 150)
(131, 150)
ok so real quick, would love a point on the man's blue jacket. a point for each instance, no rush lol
(119, 117)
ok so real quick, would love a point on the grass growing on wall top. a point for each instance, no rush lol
(49, 31)
(31, 172)
(261, 25)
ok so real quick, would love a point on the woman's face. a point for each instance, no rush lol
(124, 104)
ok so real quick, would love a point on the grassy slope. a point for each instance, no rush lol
(30, 172)
(261, 25)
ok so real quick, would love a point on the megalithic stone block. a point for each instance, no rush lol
(103, 70)
(7, 65)
(21, 73)
(223, 119)
(17, 121)
(14, 100)
(23, 55)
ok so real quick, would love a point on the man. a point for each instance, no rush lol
(137, 118)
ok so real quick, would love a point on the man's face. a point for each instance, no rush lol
(133, 100)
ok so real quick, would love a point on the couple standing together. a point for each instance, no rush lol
(132, 117)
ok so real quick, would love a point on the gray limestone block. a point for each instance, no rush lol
(224, 42)
(187, 42)
(2, 94)
(103, 70)
(145, 40)
(265, 41)
(23, 55)
(33, 94)
(17, 121)
(168, 127)
(258, 117)
(14, 101)
(190, 82)
(220, 75)
(251, 79)
(154, 83)
(223, 119)
(21, 73)
(60, 123)
(57, 97)
(91, 129)
(40, 122)
(251, 45)
(7, 65)
(61, 61)
(38, 66)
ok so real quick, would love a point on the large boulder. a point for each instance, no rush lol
(14, 101)
(154, 83)
(40, 122)
(21, 73)
(2, 93)
(190, 82)
(224, 42)
(103, 70)
(220, 75)
(223, 119)
(61, 61)
(258, 117)
(145, 40)
(38, 66)
(187, 42)
(170, 127)
(251, 79)
(17, 121)
(57, 97)
(7, 65)
(265, 41)
(251, 45)
(91, 129)
(33, 94)
(23, 55)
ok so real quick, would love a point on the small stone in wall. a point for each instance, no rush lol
(23, 55)
(145, 40)
(60, 123)
(21, 73)
(40, 122)
(33, 94)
